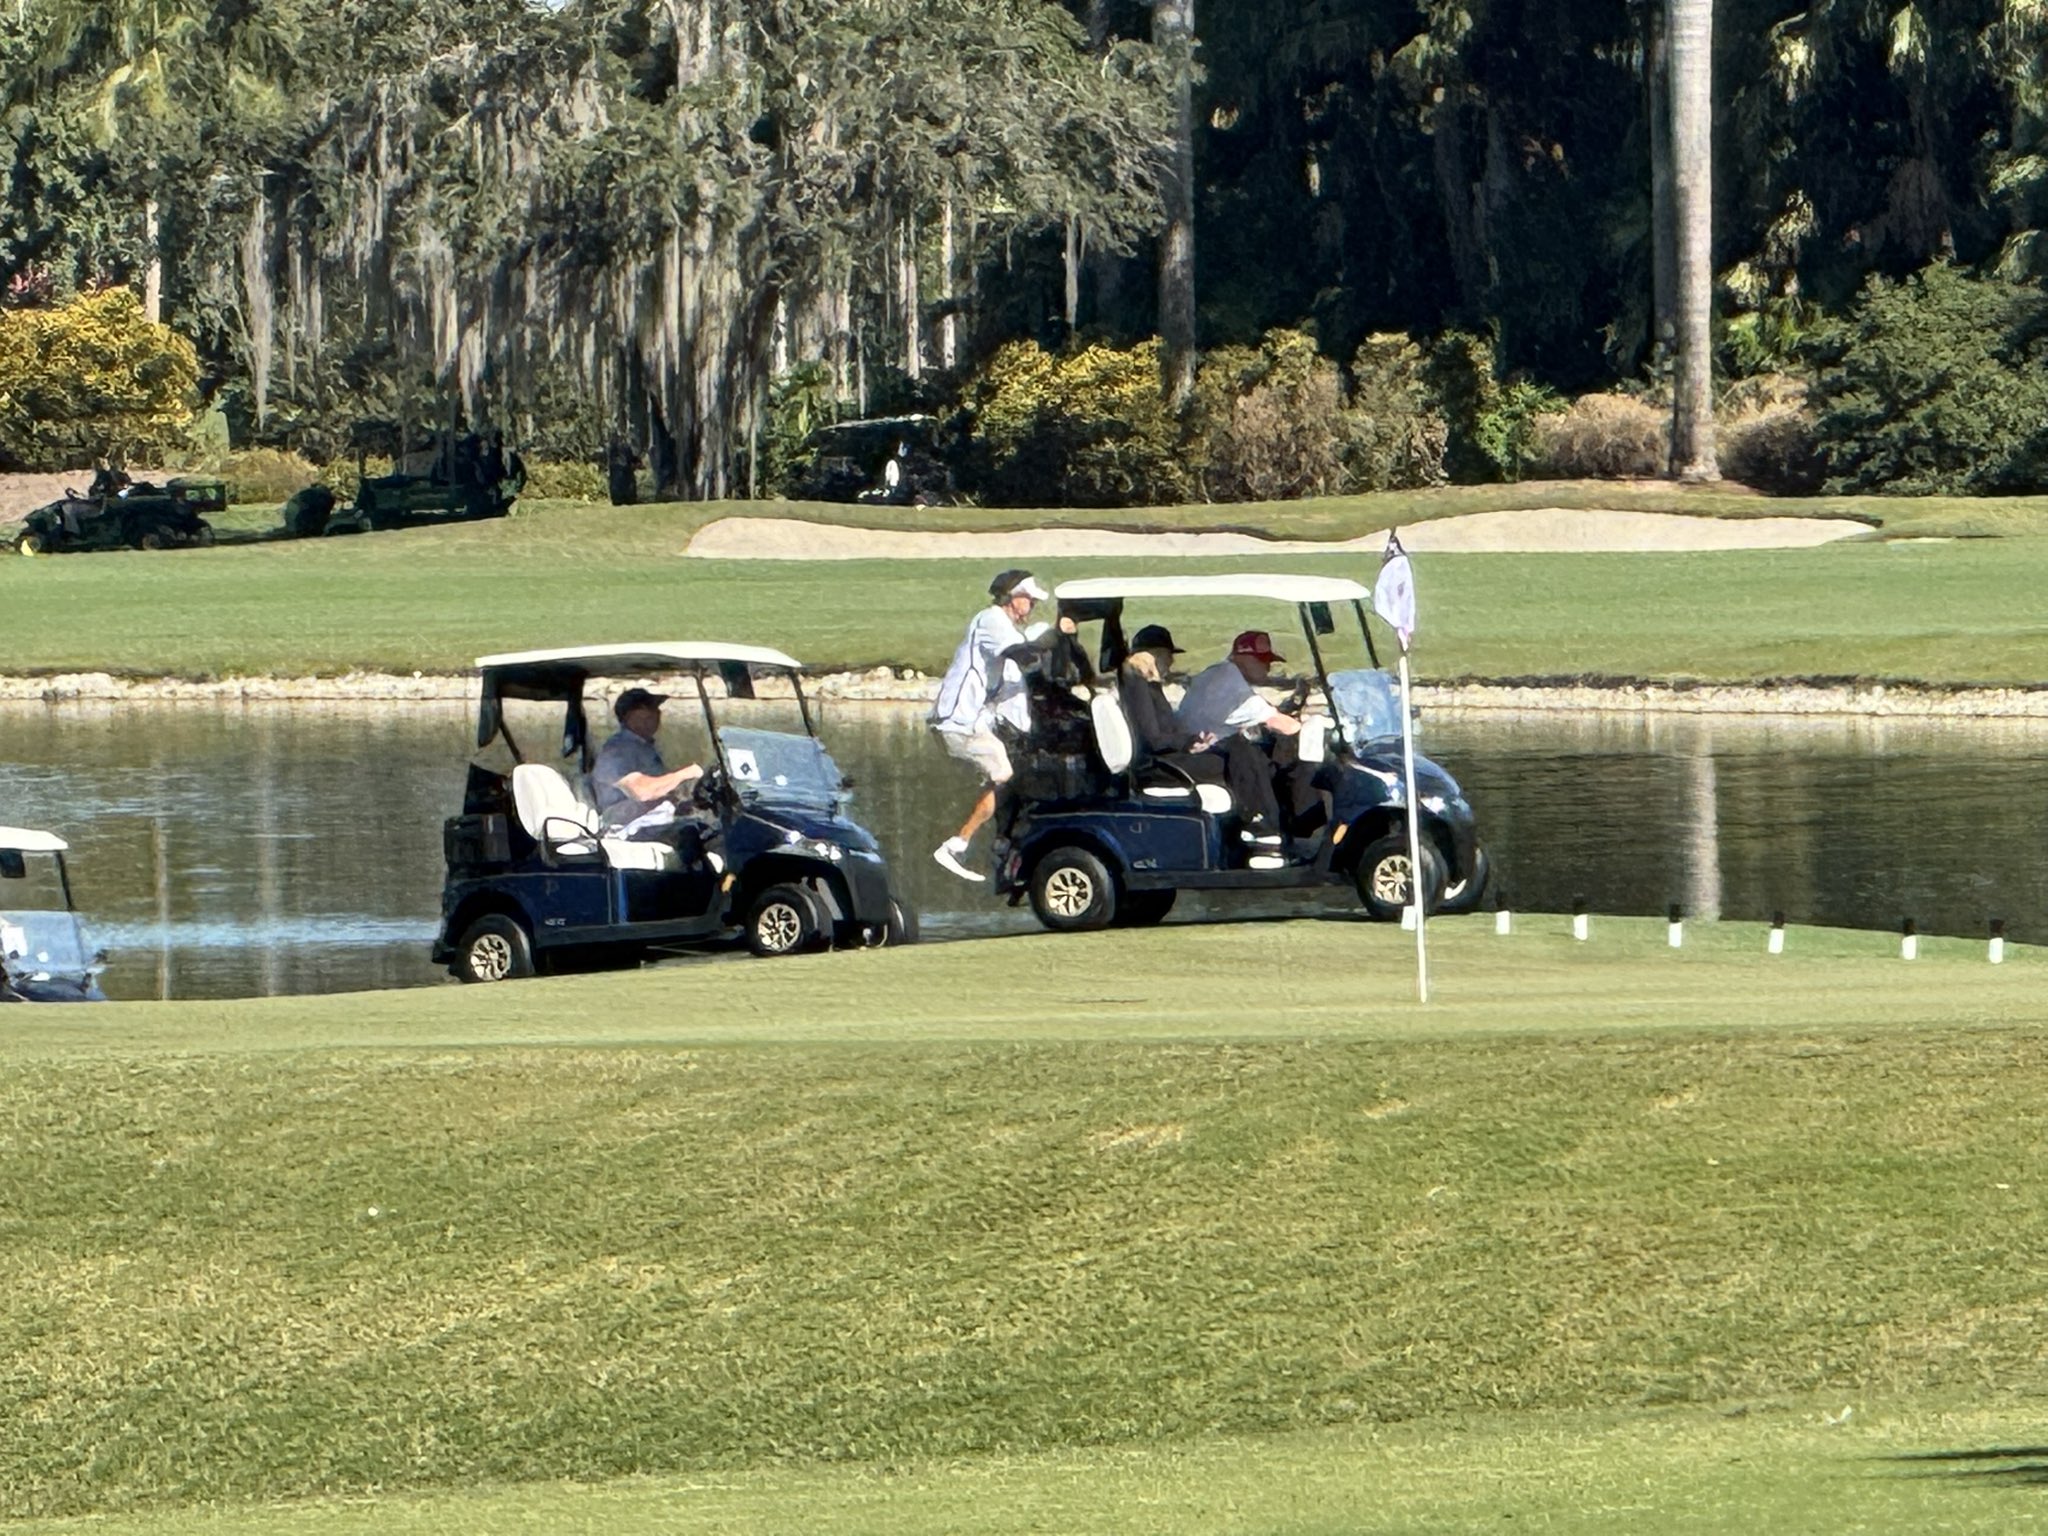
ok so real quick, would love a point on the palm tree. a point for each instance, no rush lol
(1692, 150)
(143, 73)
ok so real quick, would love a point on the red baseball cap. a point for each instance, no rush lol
(1255, 642)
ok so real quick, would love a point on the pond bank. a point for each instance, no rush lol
(905, 686)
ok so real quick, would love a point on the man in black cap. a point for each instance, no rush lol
(633, 790)
(1161, 737)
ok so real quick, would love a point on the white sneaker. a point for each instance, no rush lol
(1262, 839)
(948, 856)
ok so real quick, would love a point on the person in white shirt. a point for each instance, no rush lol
(984, 684)
(1224, 701)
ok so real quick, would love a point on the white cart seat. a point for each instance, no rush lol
(1213, 798)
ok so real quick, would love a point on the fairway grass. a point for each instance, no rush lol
(1963, 612)
(1207, 1228)
(1684, 1472)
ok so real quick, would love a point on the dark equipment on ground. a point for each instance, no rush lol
(536, 882)
(889, 461)
(1097, 836)
(116, 513)
(448, 477)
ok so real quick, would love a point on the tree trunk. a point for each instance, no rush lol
(913, 331)
(949, 258)
(153, 270)
(1073, 300)
(1692, 146)
(1663, 206)
(1173, 32)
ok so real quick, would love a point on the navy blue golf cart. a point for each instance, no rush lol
(535, 881)
(1097, 837)
(44, 954)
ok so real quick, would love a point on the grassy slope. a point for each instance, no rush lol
(1019, 1198)
(1676, 1472)
(1962, 612)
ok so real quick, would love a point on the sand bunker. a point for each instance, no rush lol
(1542, 530)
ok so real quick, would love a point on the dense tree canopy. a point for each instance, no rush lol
(598, 218)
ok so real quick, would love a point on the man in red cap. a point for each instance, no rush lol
(1224, 701)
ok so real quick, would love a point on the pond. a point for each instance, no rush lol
(235, 850)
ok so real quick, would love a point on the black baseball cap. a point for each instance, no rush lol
(637, 698)
(1154, 637)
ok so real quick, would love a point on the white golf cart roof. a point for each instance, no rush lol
(642, 657)
(22, 840)
(1285, 589)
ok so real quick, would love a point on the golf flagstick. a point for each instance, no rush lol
(1393, 599)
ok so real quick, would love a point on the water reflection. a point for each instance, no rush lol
(268, 848)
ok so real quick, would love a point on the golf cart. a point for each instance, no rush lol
(535, 881)
(446, 477)
(44, 956)
(893, 461)
(1093, 838)
(116, 514)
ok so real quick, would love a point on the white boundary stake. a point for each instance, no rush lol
(1416, 894)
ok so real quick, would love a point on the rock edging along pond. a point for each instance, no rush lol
(904, 686)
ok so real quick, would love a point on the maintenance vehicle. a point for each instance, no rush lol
(443, 477)
(535, 881)
(45, 956)
(1100, 837)
(116, 513)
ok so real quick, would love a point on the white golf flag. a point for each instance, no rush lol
(1393, 594)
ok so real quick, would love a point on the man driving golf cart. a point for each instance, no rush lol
(1119, 844)
(538, 877)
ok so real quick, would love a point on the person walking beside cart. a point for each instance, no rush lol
(985, 684)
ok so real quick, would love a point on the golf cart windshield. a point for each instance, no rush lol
(1368, 705)
(43, 946)
(778, 768)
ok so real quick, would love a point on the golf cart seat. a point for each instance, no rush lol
(1113, 740)
(553, 817)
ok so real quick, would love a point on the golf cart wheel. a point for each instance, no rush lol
(204, 537)
(782, 921)
(151, 540)
(902, 926)
(1071, 890)
(31, 544)
(1385, 877)
(1144, 909)
(1463, 895)
(494, 948)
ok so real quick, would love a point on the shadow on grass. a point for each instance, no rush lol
(2013, 1465)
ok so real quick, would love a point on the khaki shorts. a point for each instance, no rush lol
(981, 749)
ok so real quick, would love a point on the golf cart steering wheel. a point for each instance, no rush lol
(710, 789)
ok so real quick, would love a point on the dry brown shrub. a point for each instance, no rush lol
(1775, 449)
(1278, 441)
(1603, 437)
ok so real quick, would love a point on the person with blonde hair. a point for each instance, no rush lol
(1160, 737)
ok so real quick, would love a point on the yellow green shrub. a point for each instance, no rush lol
(1088, 428)
(92, 379)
